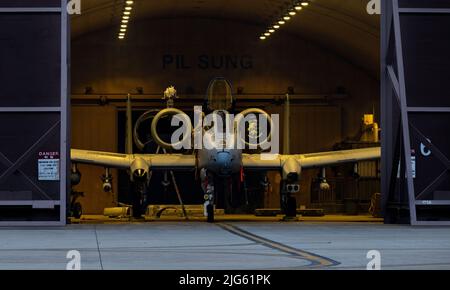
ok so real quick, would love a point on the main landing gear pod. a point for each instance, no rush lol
(290, 185)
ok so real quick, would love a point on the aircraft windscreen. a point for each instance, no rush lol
(219, 95)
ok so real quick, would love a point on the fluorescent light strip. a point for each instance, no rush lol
(297, 6)
(126, 14)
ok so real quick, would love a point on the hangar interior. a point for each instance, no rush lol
(326, 57)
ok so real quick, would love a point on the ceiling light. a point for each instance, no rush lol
(293, 10)
(125, 18)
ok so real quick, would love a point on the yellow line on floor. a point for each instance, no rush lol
(316, 260)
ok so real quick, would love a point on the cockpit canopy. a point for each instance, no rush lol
(219, 95)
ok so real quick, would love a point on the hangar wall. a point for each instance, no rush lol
(189, 52)
(107, 65)
(95, 128)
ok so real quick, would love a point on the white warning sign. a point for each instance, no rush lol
(48, 166)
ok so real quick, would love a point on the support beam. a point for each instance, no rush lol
(404, 110)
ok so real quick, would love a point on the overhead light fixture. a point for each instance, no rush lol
(291, 11)
(125, 18)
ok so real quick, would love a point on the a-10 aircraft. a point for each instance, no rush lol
(218, 163)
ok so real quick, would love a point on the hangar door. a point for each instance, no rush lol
(416, 111)
(33, 112)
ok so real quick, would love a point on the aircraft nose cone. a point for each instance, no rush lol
(224, 161)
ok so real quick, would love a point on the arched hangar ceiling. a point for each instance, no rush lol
(341, 26)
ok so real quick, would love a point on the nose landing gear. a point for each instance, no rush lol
(209, 204)
(208, 188)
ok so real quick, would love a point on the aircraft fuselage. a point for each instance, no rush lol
(222, 162)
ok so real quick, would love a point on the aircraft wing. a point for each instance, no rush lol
(313, 160)
(124, 161)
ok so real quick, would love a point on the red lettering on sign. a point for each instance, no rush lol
(49, 155)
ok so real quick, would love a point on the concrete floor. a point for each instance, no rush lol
(226, 245)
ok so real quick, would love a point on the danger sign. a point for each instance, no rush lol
(48, 166)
